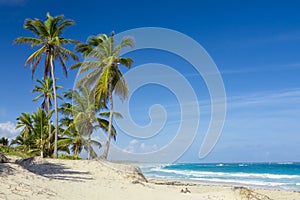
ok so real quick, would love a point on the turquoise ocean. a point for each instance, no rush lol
(265, 175)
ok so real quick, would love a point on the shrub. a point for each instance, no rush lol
(69, 157)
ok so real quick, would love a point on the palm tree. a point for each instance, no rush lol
(34, 134)
(31, 138)
(87, 48)
(49, 40)
(4, 141)
(25, 122)
(25, 144)
(45, 88)
(24, 140)
(83, 111)
(40, 128)
(77, 140)
(103, 73)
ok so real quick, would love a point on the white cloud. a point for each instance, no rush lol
(8, 129)
(134, 147)
(133, 142)
(131, 147)
(143, 146)
(148, 148)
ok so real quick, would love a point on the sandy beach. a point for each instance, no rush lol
(82, 179)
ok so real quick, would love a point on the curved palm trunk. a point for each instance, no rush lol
(55, 107)
(111, 111)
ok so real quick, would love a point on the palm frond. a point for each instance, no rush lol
(28, 40)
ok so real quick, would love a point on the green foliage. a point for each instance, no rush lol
(45, 89)
(48, 38)
(102, 73)
(34, 136)
(4, 141)
(83, 116)
(69, 157)
(10, 151)
(81, 120)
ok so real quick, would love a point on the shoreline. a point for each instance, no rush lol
(272, 176)
(225, 184)
(37, 178)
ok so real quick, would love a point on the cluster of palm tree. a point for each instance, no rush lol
(86, 108)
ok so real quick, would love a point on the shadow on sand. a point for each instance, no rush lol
(53, 171)
(5, 169)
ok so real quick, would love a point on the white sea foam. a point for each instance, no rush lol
(225, 174)
(285, 163)
(246, 182)
(239, 178)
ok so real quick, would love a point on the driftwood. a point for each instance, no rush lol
(3, 158)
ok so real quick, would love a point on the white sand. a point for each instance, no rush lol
(66, 179)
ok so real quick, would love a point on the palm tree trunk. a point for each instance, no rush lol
(41, 145)
(41, 148)
(89, 146)
(55, 107)
(111, 111)
(49, 124)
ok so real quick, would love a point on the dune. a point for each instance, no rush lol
(37, 178)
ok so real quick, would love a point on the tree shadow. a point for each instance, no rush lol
(55, 171)
(5, 169)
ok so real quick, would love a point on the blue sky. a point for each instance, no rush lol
(255, 45)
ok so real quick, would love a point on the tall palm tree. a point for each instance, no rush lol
(45, 88)
(49, 40)
(103, 73)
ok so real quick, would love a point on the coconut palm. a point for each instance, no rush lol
(45, 88)
(103, 73)
(87, 48)
(40, 129)
(4, 141)
(76, 140)
(34, 134)
(25, 122)
(24, 141)
(24, 144)
(50, 42)
(83, 117)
